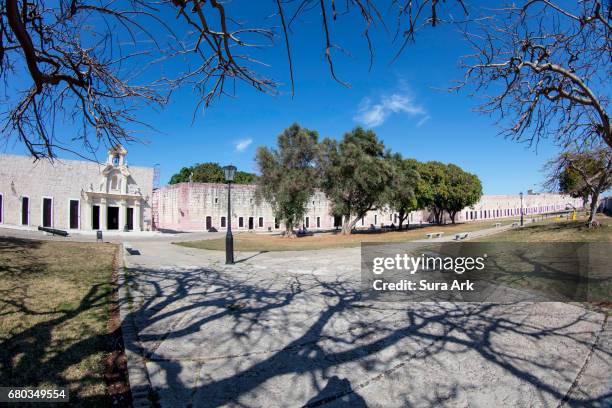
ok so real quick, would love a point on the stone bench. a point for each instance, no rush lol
(461, 235)
(434, 235)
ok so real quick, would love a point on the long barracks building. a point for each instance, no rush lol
(200, 206)
(84, 196)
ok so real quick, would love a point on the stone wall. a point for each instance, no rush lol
(62, 181)
(186, 207)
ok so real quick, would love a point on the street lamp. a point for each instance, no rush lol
(230, 172)
(521, 194)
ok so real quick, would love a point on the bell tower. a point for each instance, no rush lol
(116, 156)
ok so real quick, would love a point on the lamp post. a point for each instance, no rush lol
(230, 172)
(521, 194)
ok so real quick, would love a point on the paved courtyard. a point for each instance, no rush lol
(290, 329)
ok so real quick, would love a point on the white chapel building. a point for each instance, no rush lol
(75, 194)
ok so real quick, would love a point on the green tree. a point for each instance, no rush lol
(355, 175)
(570, 182)
(209, 173)
(403, 188)
(433, 188)
(591, 169)
(288, 174)
(462, 189)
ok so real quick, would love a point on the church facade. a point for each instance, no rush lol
(74, 194)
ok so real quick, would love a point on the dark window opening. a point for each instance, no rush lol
(74, 214)
(47, 207)
(129, 221)
(338, 221)
(260, 222)
(222, 222)
(95, 217)
(240, 222)
(112, 218)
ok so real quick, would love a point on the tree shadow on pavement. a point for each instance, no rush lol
(305, 340)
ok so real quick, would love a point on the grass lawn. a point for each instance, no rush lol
(56, 328)
(548, 275)
(557, 231)
(250, 242)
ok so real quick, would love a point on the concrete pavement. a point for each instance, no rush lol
(291, 329)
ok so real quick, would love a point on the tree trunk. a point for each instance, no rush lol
(289, 230)
(593, 207)
(402, 217)
(437, 215)
(452, 216)
(347, 227)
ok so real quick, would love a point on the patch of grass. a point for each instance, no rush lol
(249, 242)
(54, 303)
(546, 278)
(557, 231)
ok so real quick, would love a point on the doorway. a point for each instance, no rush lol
(47, 206)
(337, 221)
(95, 217)
(250, 223)
(129, 220)
(74, 214)
(208, 223)
(112, 218)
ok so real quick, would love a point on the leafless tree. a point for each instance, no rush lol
(81, 62)
(544, 71)
(593, 169)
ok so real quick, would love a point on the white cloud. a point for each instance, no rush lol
(242, 144)
(373, 115)
(423, 120)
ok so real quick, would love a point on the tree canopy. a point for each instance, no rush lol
(463, 189)
(288, 176)
(355, 174)
(404, 188)
(447, 188)
(582, 172)
(209, 173)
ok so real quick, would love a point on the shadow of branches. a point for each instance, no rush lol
(241, 338)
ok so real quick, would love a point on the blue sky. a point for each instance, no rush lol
(405, 102)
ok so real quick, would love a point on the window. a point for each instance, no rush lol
(116, 160)
(216, 200)
(115, 183)
(318, 220)
(375, 219)
(73, 216)
(307, 222)
(260, 222)
(222, 222)
(240, 222)
(362, 221)
(25, 210)
(276, 224)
